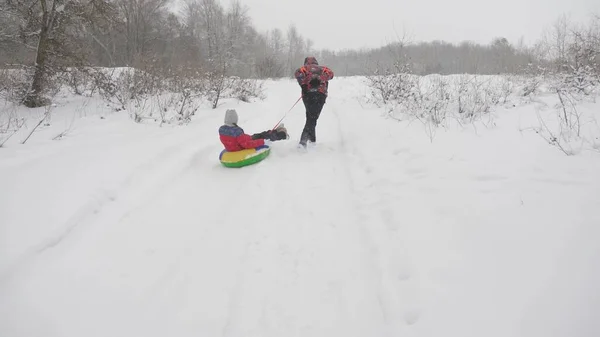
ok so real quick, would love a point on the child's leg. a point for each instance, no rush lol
(273, 135)
(261, 135)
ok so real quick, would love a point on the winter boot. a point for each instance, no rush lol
(304, 138)
(281, 132)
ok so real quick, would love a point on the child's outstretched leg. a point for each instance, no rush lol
(280, 133)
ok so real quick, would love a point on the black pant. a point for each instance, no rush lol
(272, 135)
(313, 102)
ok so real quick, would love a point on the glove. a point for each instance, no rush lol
(268, 142)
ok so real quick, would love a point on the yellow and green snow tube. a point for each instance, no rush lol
(244, 157)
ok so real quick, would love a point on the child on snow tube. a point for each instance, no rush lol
(234, 138)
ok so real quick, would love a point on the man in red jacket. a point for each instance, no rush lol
(234, 138)
(314, 82)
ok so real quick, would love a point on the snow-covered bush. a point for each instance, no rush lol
(246, 89)
(220, 86)
(475, 96)
(428, 102)
(423, 98)
(567, 124)
(432, 103)
(530, 81)
(181, 95)
(574, 79)
(471, 97)
(432, 99)
(581, 82)
(391, 86)
(162, 94)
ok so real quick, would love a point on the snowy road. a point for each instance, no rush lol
(374, 232)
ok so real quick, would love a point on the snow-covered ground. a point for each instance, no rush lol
(127, 229)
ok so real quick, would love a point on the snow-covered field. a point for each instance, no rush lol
(130, 229)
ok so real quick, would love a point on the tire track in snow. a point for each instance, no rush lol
(279, 279)
(231, 326)
(181, 285)
(178, 251)
(383, 293)
(392, 261)
(306, 274)
(263, 300)
(92, 210)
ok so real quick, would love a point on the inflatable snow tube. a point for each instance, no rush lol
(244, 157)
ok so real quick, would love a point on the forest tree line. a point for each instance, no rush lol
(47, 35)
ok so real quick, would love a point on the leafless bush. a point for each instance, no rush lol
(189, 87)
(568, 128)
(140, 107)
(246, 89)
(575, 78)
(45, 118)
(476, 96)
(129, 87)
(569, 116)
(506, 89)
(181, 95)
(391, 85)
(10, 124)
(66, 131)
(217, 85)
(168, 94)
(220, 86)
(427, 101)
(533, 79)
(80, 80)
(434, 98)
(15, 83)
(572, 54)
(434, 101)
(557, 139)
(112, 87)
(270, 67)
(580, 81)
(165, 103)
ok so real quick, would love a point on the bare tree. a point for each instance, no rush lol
(295, 49)
(51, 30)
(269, 67)
(142, 20)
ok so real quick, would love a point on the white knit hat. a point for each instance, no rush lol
(231, 117)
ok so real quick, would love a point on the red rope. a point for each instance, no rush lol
(276, 125)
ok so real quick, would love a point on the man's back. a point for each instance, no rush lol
(312, 77)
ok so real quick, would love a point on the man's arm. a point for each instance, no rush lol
(328, 72)
(300, 75)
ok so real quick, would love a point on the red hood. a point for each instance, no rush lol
(310, 60)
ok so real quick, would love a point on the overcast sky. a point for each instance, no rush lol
(339, 24)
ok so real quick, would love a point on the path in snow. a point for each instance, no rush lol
(285, 247)
(374, 232)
